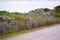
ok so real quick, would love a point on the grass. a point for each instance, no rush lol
(23, 32)
(13, 34)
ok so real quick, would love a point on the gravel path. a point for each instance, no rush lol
(51, 33)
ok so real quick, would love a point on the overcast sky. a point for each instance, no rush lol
(27, 5)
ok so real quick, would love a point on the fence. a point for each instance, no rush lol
(8, 26)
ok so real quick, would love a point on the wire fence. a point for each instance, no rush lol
(9, 26)
(27, 24)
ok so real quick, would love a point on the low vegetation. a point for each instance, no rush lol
(13, 23)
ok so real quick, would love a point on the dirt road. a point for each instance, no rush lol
(51, 33)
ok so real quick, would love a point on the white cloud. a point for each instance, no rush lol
(19, 2)
(25, 6)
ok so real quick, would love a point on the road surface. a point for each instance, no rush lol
(51, 33)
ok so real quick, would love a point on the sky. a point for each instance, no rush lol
(27, 5)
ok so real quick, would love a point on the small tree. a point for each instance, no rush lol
(57, 9)
(47, 9)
